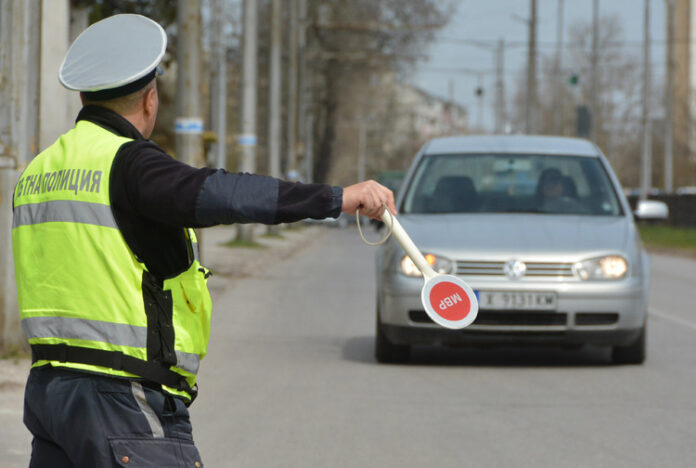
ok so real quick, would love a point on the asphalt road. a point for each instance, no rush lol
(290, 381)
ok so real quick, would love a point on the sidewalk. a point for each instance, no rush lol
(238, 262)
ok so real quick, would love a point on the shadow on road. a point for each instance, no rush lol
(361, 349)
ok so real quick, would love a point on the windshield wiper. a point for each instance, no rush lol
(521, 210)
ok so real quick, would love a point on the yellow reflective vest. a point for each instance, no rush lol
(86, 302)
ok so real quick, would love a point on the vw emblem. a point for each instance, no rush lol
(514, 269)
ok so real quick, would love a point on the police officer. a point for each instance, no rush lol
(112, 296)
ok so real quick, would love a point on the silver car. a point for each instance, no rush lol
(539, 228)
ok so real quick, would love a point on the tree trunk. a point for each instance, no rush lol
(322, 163)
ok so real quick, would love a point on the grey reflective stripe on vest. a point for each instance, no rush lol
(65, 211)
(196, 254)
(119, 334)
(188, 361)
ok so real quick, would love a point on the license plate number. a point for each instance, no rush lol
(517, 300)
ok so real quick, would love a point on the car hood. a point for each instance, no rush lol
(500, 236)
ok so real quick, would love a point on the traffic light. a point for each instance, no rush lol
(573, 80)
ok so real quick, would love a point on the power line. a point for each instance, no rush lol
(516, 72)
(551, 44)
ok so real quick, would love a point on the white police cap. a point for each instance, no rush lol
(114, 57)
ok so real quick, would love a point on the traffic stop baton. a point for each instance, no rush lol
(447, 300)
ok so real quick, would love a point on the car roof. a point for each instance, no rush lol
(518, 144)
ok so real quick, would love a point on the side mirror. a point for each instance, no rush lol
(651, 209)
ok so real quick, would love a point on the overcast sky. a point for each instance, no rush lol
(491, 20)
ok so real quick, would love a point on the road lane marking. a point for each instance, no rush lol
(672, 318)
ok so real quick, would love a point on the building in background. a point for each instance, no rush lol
(394, 128)
(426, 116)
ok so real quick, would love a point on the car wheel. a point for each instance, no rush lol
(631, 354)
(385, 351)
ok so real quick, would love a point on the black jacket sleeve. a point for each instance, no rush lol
(167, 191)
(228, 198)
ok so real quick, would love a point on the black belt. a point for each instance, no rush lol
(116, 360)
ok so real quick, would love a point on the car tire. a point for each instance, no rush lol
(631, 354)
(385, 351)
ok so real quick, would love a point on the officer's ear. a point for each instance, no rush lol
(151, 102)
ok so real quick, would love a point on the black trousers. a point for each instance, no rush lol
(85, 420)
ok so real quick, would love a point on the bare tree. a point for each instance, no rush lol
(353, 46)
(617, 116)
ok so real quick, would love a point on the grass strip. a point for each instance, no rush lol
(668, 237)
(236, 243)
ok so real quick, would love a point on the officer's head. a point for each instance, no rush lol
(139, 107)
(114, 64)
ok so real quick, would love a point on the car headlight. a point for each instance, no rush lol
(611, 267)
(439, 264)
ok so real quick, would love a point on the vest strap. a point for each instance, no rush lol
(116, 360)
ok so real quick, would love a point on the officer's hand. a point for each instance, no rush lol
(370, 197)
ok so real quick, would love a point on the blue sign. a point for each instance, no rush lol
(188, 125)
(247, 139)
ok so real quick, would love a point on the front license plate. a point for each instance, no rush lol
(519, 300)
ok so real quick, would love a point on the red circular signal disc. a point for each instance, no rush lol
(450, 301)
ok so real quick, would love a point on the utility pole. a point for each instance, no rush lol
(8, 164)
(79, 21)
(292, 91)
(450, 102)
(19, 90)
(479, 101)
(55, 99)
(301, 70)
(32, 83)
(219, 85)
(500, 88)
(309, 148)
(557, 82)
(306, 86)
(531, 103)
(189, 124)
(247, 139)
(669, 98)
(309, 127)
(274, 135)
(646, 154)
(25, 80)
(594, 107)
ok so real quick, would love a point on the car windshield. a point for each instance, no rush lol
(510, 183)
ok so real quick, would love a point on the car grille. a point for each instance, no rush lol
(504, 318)
(534, 269)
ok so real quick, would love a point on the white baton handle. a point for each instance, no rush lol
(407, 244)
